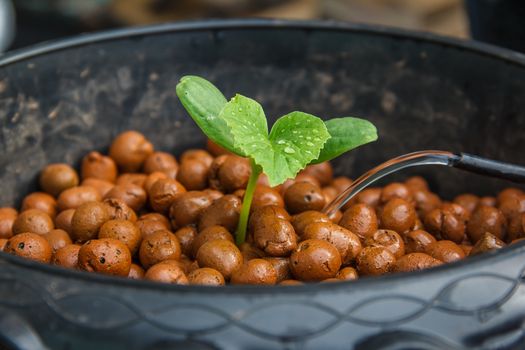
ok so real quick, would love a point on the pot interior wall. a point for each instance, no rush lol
(57, 106)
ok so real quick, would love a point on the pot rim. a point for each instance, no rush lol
(506, 55)
(260, 23)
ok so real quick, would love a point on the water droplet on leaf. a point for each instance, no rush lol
(289, 150)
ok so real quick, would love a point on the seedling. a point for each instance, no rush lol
(295, 140)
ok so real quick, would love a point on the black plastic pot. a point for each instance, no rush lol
(59, 100)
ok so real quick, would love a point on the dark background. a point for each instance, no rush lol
(495, 21)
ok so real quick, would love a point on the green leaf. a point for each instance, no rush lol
(204, 102)
(346, 134)
(247, 123)
(295, 140)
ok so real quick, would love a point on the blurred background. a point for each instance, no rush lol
(26, 22)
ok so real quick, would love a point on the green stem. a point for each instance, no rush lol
(247, 203)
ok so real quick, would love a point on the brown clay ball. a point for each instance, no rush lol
(206, 276)
(375, 261)
(7, 219)
(425, 202)
(213, 173)
(98, 166)
(187, 208)
(370, 196)
(67, 256)
(360, 219)
(74, 197)
(417, 241)
(398, 215)
(389, 239)
(58, 239)
(486, 219)
(487, 201)
(207, 235)
(167, 272)
(396, 190)
(193, 174)
(134, 196)
(321, 171)
(512, 206)
(315, 260)
(129, 150)
(223, 211)
(249, 251)
(63, 220)
(163, 193)
(147, 227)
(221, 255)
(136, 272)
(159, 246)
(276, 237)
(107, 255)
(255, 272)
(466, 249)
(415, 262)
(58, 177)
(486, 243)
(215, 149)
(347, 274)
(303, 196)
(416, 183)
(87, 220)
(197, 154)
(346, 242)
(125, 231)
(329, 193)
(448, 222)
(136, 179)
(229, 173)
(301, 177)
(468, 201)
(156, 217)
(186, 236)
(516, 227)
(281, 267)
(152, 178)
(30, 246)
(302, 220)
(269, 210)
(264, 196)
(213, 194)
(162, 162)
(341, 183)
(3, 242)
(102, 186)
(446, 251)
(118, 209)
(33, 220)
(509, 192)
(41, 201)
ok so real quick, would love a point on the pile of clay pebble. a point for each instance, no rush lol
(145, 214)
